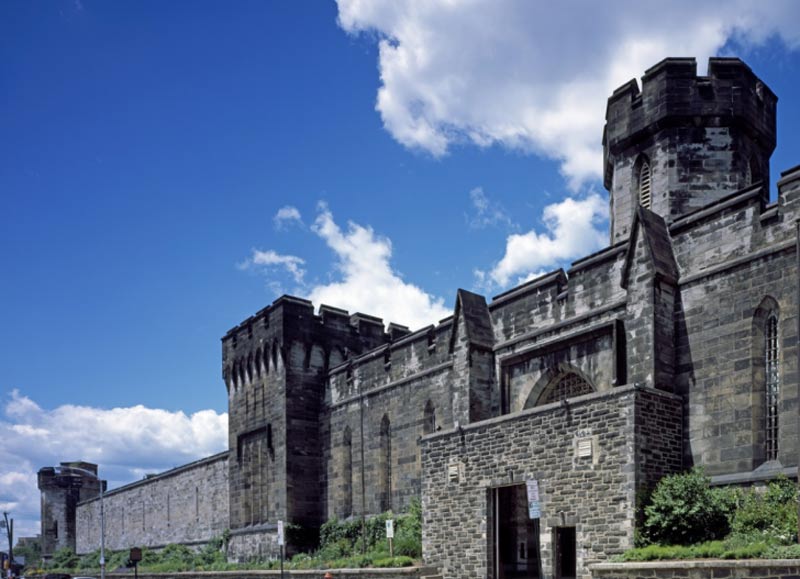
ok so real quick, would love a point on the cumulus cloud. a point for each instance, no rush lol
(125, 442)
(486, 213)
(572, 228)
(362, 277)
(285, 216)
(270, 259)
(534, 76)
(367, 282)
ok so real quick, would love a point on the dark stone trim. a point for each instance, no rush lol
(432, 370)
(560, 325)
(559, 342)
(742, 196)
(526, 288)
(781, 247)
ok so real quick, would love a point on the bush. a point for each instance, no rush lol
(343, 539)
(393, 562)
(684, 509)
(64, 558)
(769, 516)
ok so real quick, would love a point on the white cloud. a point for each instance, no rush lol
(270, 259)
(486, 213)
(573, 228)
(535, 76)
(368, 283)
(125, 442)
(287, 215)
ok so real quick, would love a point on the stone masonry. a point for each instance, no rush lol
(188, 505)
(635, 437)
(677, 345)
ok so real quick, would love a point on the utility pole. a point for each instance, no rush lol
(9, 527)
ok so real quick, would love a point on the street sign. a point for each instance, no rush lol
(534, 506)
(281, 541)
(389, 529)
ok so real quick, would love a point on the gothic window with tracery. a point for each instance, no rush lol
(568, 385)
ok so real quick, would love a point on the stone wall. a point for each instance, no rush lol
(594, 493)
(737, 259)
(404, 573)
(186, 505)
(763, 569)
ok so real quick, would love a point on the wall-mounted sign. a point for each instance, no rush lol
(534, 506)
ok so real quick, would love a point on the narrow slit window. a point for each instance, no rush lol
(645, 194)
(772, 387)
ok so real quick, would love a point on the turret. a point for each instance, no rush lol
(62, 488)
(685, 141)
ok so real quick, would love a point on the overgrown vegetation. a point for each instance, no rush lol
(686, 518)
(341, 545)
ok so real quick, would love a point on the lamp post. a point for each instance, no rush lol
(102, 514)
(9, 527)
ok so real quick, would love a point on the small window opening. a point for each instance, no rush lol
(645, 194)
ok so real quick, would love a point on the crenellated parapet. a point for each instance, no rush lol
(263, 343)
(684, 141)
(62, 488)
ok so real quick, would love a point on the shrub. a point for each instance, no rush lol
(769, 516)
(783, 552)
(64, 558)
(684, 509)
(342, 539)
(399, 561)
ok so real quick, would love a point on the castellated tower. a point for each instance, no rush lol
(275, 366)
(62, 489)
(684, 141)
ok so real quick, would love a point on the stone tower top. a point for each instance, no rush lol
(685, 141)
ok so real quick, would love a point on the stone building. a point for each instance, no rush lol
(674, 346)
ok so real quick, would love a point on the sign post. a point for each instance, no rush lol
(390, 535)
(281, 543)
(134, 557)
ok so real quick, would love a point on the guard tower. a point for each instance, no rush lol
(62, 488)
(685, 141)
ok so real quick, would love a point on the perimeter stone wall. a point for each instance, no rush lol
(186, 505)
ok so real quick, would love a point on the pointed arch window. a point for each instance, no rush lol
(772, 390)
(347, 473)
(429, 418)
(566, 386)
(645, 184)
(385, 466)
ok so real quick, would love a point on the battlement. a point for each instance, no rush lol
(672, 93)
(684, 141)
(262, 341)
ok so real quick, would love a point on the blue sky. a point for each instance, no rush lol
(168, 169)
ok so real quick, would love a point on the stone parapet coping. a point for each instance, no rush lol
(695, 564)
(160, 476)
(341, 573)
(615, 392)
